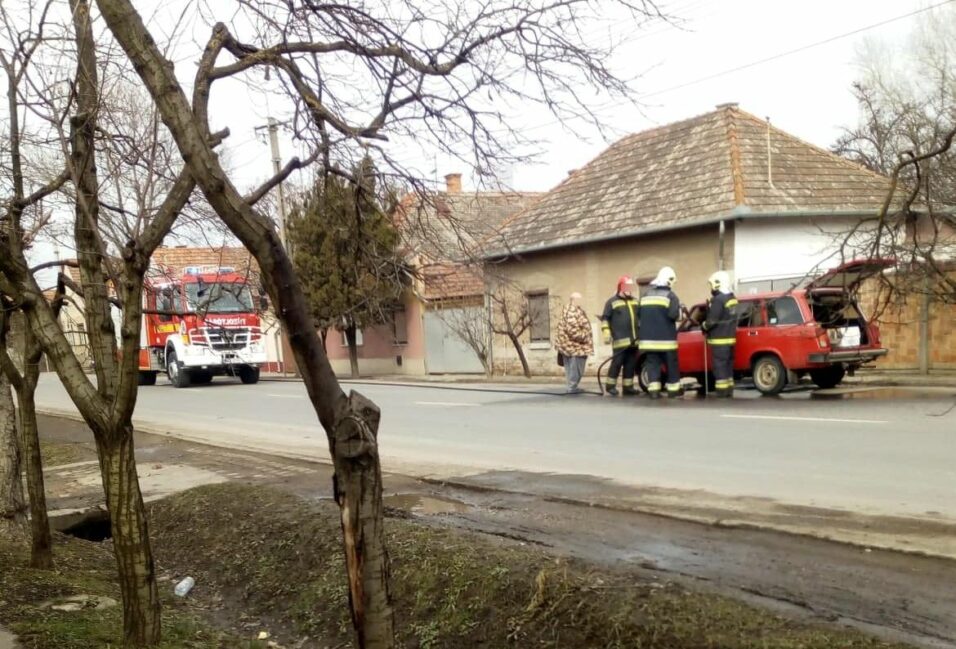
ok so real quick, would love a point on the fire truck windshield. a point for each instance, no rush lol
(218, 297)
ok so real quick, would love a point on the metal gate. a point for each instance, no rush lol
(445, 351)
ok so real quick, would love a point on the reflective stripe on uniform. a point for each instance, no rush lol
(658, 345)
(654, 386)
(722, 384)
(654, 300)
(673, 387)
(617, 304)
(621, 343)
(721, 341)
(731, 302)
(628, 383)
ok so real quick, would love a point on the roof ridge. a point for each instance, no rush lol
(816, 148)
(737, 177)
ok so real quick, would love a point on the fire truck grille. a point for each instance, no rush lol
(228, 338)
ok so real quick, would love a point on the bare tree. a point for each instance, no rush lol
(13, 509)
(511, 317)
(23, 376)
(907, 100)
(413, 84)
(114, 243)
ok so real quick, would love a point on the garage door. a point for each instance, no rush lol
(445, 352)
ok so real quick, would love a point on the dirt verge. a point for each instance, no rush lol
(276, 558)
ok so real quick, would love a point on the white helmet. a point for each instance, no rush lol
(666, 277)
(720, 281)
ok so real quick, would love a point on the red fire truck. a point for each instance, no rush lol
(203, 324)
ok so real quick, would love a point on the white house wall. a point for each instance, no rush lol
(776, 248)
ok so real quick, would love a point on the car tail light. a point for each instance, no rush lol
(823, 338)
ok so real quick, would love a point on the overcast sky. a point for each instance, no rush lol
(806, 93)
(681, 70)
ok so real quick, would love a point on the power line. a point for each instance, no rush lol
(752, 64)
(781, 55)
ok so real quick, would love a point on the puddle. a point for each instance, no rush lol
(425, 505)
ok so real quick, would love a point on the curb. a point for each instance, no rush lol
(737, 520)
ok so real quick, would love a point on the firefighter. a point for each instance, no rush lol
(660, 310)
(619, 325)
(721, 329)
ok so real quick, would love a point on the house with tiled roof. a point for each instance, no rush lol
(723, 190)
(444, 235)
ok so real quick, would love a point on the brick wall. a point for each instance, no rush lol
(900, 331)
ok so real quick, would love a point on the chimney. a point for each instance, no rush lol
(453, 183)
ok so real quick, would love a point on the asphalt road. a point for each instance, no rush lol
(881, 452)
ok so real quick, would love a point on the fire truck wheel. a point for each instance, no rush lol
(147, 378)
(178, 376)
(248, 374)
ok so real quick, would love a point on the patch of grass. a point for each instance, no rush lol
(279, 558)
(84, 568)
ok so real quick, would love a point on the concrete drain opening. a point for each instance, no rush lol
(90, 525)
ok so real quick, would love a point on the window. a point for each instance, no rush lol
(749, 314)
(784, 311)
(399, 325)
(539, 311)
(219, 297)
(358, 338)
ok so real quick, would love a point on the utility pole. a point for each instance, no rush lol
(273, 128)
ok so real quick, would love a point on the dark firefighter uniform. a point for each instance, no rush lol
(721, 328)
(660, 310)
(619, 322)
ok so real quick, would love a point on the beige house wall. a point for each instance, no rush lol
(592, 270)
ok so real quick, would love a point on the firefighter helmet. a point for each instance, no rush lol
(624, 285)
(720, 281)
(666, 277)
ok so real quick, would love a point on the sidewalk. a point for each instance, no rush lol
(901, 378)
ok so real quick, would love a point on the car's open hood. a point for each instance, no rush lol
(850, 275)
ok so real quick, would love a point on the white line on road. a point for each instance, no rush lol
(827, 419)
(286, 396)
(450, 404)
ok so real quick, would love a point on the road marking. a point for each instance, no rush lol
(450, 404)
(286, 396)
(826, 419)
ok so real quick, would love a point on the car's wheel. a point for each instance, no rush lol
(828, 377)
(147, 378)
(177, 374)
(249, 374)
(201, 378)
(642, 378)
(770, 376)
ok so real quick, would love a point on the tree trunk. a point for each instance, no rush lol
(351, 337)
(41, 550)
(521, 357)
(358, 492)
(134, 556)
(13, 510)
(358, 475)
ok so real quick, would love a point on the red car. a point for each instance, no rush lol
(784, 335)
